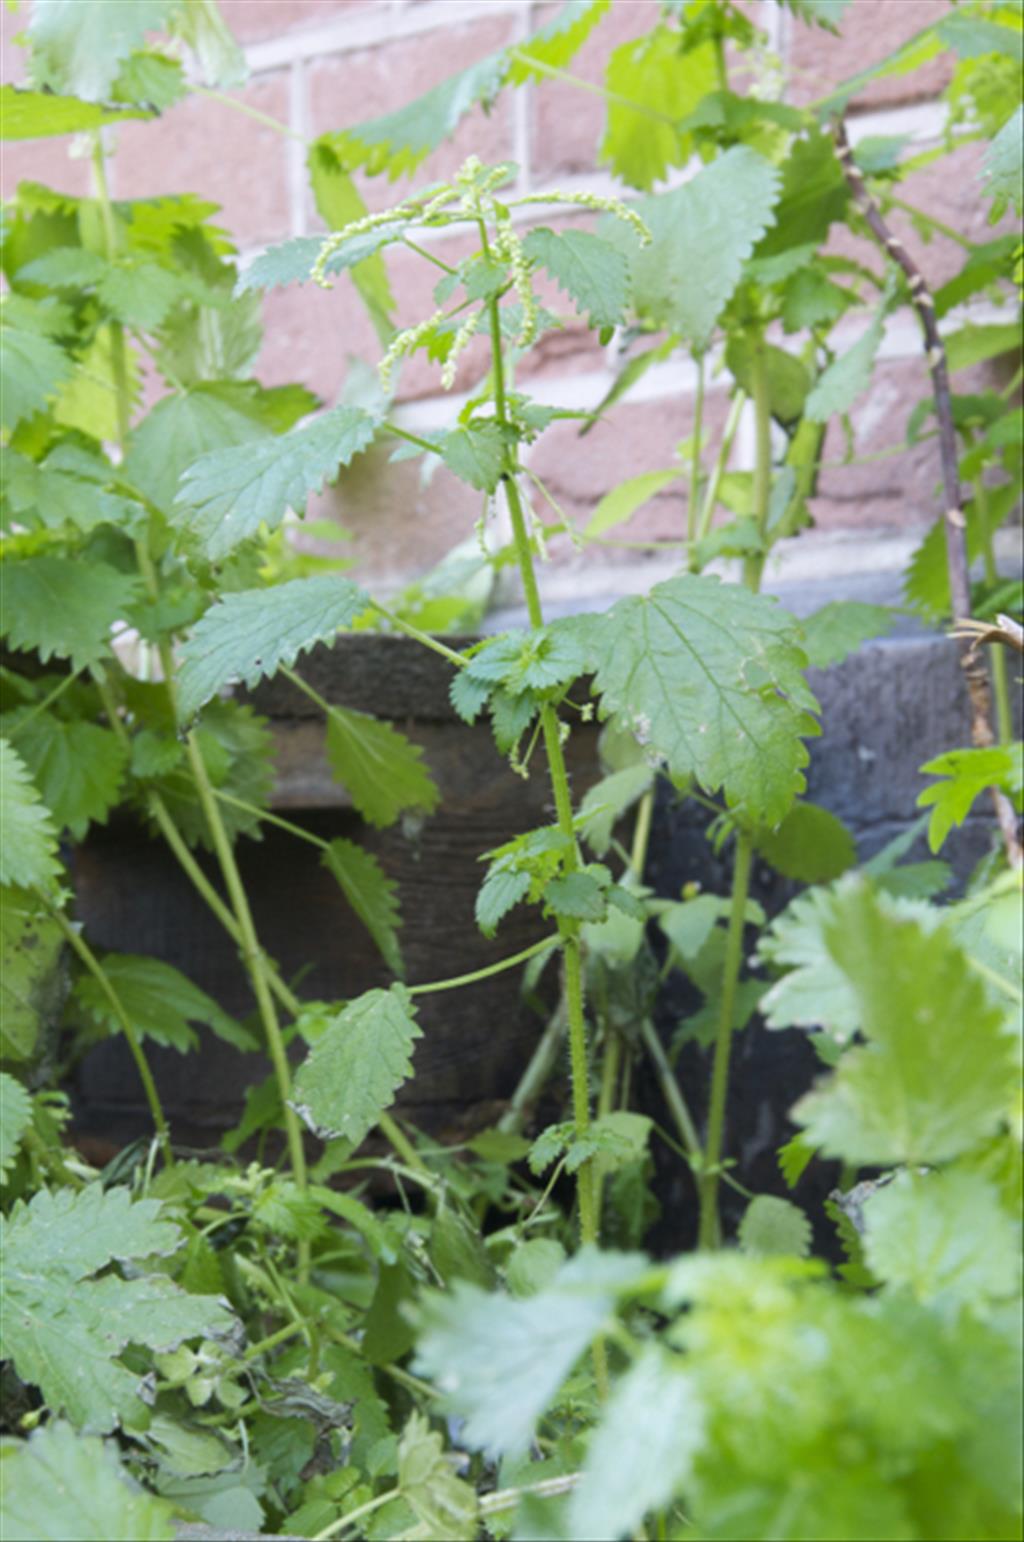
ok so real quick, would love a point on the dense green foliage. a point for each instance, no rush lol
(255, 1342)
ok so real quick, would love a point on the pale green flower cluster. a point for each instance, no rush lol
(337, 238)
(404, 343)
(596, 201)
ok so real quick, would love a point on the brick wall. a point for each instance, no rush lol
(322, 64)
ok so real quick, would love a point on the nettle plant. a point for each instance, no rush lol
(269, 1349)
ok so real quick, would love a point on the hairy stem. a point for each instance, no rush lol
(709, 1232)
(568, 930)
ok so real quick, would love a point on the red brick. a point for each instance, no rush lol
(350, 88)
(567, 123)
(252, 20)
(901, 491)
(634, 437)
(202, 146)
(44, 160)
(870, 31)
(401, 525)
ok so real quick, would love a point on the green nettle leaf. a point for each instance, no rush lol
(709, 676)
(1004, 165)
(593, 273)
(945, 1236)
(160, 1002)
(15, 1118)
(557, 42)
(967, 774)
(355, 1068)
(227, 495)
(642, 1451)
(183, 427)
(773, 1225)
(399, 141)
(64, 1330)
(382, 769)
(835, 631)
(28, 840)
(814, 194)
(56, 497)
(703, 233)
(444, 1504)
(58, 1484)
(476, 454)
(249, 634)
(372, 895)
(41, 114)
(578, 895)
(65, 606)
(79, 49)
(140, 294)
(499, 1361)
(499, 893)
(815, 993)
(656, 71)
(937, 1073)
(89, 400)
(151, 79)
(823, 13)
(31, 979)
(34, 368)
(77, 766)
(810, 844)
(847, 377)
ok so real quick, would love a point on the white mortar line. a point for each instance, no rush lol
(378, 24)
(298, 178)
(582, 390)
(522, 99)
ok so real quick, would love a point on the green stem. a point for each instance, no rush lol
(938, 226)
(732, 424)
(267, 818)
(554, 72)
(458, 659)
(709, 1234)
(486, 972)
(550, 728)
(698, 426)
(421, 251)
(289, 1331)
(753, 566)
(252, 954)
(403, 433)
(249, 112)
(671, 1091)
(118, 359)
(41, 706)
(345, 1521)
(79, 945)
